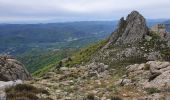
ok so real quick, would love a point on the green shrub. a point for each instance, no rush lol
(147, 67)
(90, 97)
(24, 92)
(25, 87)
(152, 90)
(116, 98)
(48, 98)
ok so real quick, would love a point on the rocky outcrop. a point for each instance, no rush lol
(161, 30)
(11, 69)
(5, 85)
(151, 74)
(131, 30)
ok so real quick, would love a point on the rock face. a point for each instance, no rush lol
(131, 30)
(151, 74)
(11, 69)
(160, 29)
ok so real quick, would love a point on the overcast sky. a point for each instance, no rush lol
(79, 10)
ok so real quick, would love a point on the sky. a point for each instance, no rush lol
(37, 11)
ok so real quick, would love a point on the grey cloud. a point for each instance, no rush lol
(68, 10)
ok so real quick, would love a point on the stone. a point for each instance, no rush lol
(4, 85)
(64, 68)
(2, 95)
(123, 82)
(96, 69)
(153, 56)
(11, 69)
(156, 96)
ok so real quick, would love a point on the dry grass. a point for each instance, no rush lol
(25, 92)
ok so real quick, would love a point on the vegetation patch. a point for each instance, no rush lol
(152, 90)
(116, 98)
(35, 61)
(147, 67)
(84, 55)
(25, 92)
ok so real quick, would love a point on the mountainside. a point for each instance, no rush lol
(132, 64)
(13, 37)
(38, 45)
(34, 44)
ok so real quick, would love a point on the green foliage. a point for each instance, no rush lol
(36, 61)
(84, 55)
(116, 98)
(147, 67)
(44, 62)
(153, 43)
(90, 97)
(152, 90)
(44, 70)
(166, 52)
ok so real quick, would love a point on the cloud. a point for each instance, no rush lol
(68, 10)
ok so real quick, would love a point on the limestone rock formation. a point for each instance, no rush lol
(151, 74)
(11, 69)
(131, 30)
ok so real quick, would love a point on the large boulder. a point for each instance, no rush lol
(11, 69)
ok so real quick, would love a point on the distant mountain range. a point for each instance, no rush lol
(19, 38)
(167, 23)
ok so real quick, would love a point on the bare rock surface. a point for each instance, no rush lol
(151, 74)
(131, 30)
(11, 69)
(2, 95)
(4, 85)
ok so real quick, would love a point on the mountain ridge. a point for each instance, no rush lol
(131, 64)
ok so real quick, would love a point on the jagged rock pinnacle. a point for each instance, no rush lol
(131, 30)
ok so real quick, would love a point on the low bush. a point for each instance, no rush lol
(147, 67)
(24, 92)
(152, 90)
(90, 97)
(116, 98)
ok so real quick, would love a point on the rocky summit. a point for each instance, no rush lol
(11, 69)
(131, 30)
